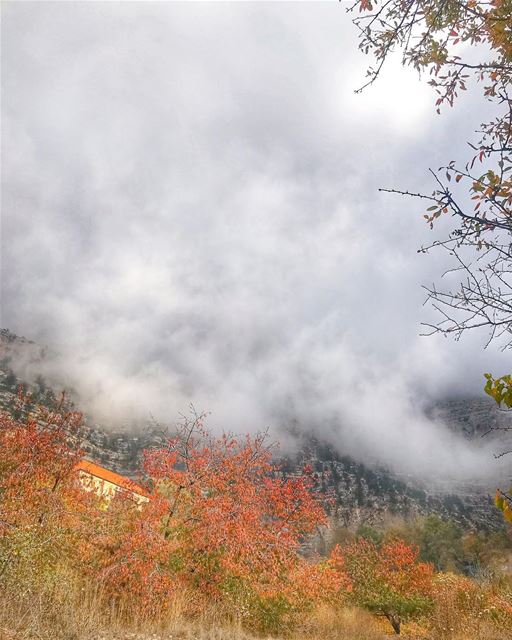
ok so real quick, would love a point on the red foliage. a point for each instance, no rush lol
(222, 516)
(37, 480)
(222, 521)
(389, 580)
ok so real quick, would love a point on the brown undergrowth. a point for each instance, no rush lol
(73, 612)
(78, 612)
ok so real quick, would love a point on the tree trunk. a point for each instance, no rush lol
(395, 621)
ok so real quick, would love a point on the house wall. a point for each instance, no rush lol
(105, 488)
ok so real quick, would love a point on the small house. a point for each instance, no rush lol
(106, 483)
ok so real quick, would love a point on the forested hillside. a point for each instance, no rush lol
(364, 491)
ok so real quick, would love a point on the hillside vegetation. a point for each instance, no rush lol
(365, 492)
(217, 551)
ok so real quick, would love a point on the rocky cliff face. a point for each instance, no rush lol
(372, 495)
(363, 493)
(473, 417)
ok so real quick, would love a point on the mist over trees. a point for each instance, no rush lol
(270, 301)
(217, 278)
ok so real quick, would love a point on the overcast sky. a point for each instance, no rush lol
(190, 213)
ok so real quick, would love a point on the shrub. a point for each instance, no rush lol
(389, 580)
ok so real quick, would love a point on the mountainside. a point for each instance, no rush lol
(372, 495)
(363, 493)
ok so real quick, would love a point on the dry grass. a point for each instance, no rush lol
(77, 613)
(327, 623)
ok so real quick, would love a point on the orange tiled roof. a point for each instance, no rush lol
(109, 476)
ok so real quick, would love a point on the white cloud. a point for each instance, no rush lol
(190, 213)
